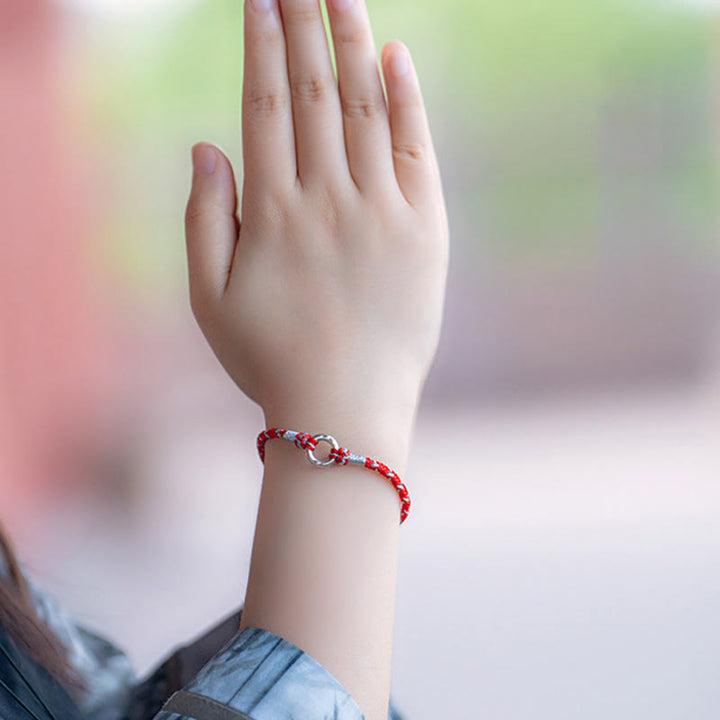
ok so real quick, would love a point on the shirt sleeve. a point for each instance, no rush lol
(260, 676)
(221, 675)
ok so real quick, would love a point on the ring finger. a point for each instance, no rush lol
(365, 114)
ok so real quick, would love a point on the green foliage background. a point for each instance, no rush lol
(530, 94)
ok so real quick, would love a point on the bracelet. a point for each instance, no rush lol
(338, 456)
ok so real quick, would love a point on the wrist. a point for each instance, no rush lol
(382, 431)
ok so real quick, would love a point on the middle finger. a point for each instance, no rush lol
(317, 116)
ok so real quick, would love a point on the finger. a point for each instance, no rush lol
(317, 118)
(365, 114)
(412, 149)
(210, 224)
(267, 124)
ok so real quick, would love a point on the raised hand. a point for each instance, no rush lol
(334, 282)
(324, 305)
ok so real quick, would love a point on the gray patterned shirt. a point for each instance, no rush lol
(223, 675)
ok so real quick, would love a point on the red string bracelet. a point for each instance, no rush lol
(338, 456)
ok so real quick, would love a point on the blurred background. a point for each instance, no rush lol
(561, 559)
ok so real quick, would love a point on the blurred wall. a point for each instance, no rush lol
(54, 364)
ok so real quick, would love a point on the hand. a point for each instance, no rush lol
(333, 285)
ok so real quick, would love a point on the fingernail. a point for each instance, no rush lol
(264, 5)
(399, 63)
(204, 159)
(342, 4)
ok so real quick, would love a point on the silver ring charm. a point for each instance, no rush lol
(311, 455)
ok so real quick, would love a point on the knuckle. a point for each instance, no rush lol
(411, 102)
(328, 205)
(195, 213)
(352, 37)
(265, 103)
(302, 14)
(267, 40)
(309, 88)
(364, 107)
(203, 217)
(269, 207)
(413, 152)
(202, 214)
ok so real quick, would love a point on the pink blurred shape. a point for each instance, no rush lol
(54, 361)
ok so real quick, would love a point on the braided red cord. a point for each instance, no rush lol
(341, 456)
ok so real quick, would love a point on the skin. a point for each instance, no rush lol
(324, 305)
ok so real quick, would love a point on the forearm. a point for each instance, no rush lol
(324, 560)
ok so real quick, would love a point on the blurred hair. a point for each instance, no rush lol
(20, 619)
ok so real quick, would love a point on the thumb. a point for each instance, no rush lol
(211, 228)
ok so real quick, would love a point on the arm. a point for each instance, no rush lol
(324, 305)
(329, 585)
